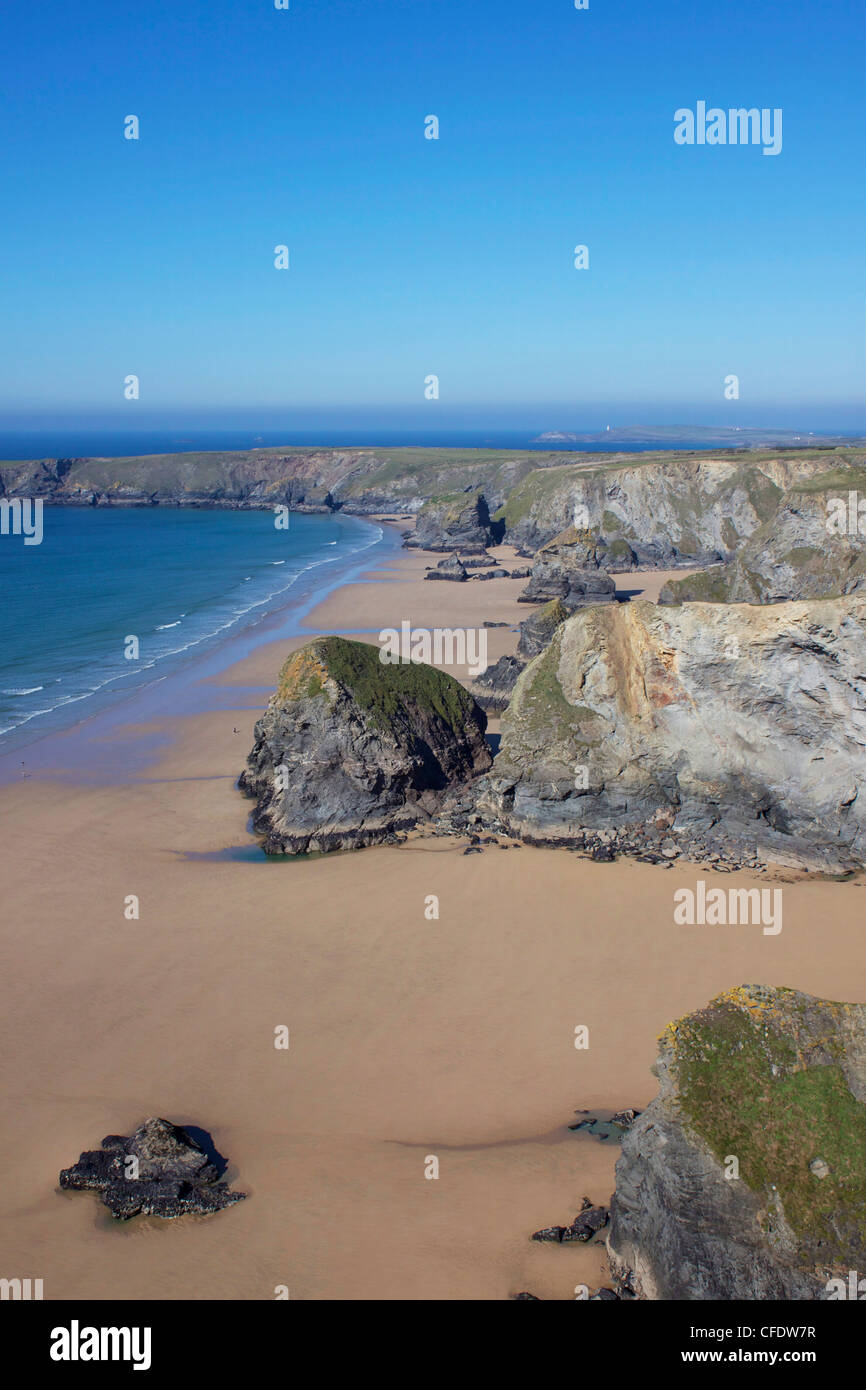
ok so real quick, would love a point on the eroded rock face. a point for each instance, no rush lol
(704, 729)
(665, 512)
(773, 1079)
(160, 1170)
(807, 549)
(460, 521)
(352, 750)
(561, 573)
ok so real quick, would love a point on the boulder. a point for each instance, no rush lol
(588, 1222)
(352, 750)
(160, 1170)
(449, 568)
(715, 1194)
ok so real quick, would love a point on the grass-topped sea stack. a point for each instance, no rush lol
(352, 750)
(746, 1176)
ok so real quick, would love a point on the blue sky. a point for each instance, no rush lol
(411, 256)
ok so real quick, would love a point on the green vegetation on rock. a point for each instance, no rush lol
(540, 703)
(384, 691)
(755, 1082)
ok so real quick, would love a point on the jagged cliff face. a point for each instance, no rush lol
(351, 751)
(733, 729)
(807, 549)
(775, 1080)
(673, 511)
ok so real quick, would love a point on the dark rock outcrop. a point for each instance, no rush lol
(492, 689)
(717, 1196)
(352, 750)
(460, 521)
(536, 631)
(561, 573)
(588, 1222)
(606, 1130)
(450, 568)
(160, 1170)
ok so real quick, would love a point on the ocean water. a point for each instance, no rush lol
(178, 580)
(124, 443)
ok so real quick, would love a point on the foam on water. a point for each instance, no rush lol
(101, 578)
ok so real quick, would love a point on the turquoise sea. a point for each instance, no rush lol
(180, 581)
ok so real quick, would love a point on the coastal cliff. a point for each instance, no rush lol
(360, 481)
(811, 547)
(708, 730)
(352, 751)
(650, 511)
(664, 509)
(746, 1177)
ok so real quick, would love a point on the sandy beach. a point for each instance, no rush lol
(409, 1037)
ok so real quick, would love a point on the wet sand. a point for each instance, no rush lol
(409, 1037)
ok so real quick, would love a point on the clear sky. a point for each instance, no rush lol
(409, 256)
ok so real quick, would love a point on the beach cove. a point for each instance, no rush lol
(409, 1037)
